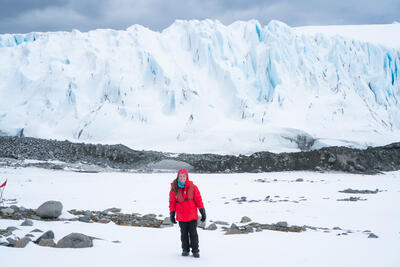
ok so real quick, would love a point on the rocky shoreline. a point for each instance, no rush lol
(52, 154)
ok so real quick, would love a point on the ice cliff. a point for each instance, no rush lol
(201, 86)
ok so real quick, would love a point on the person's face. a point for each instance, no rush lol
(182, 177)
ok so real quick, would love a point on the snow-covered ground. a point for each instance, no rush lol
(148, 193)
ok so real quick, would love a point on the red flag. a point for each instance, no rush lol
(4, 184)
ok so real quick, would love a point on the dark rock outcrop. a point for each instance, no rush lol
(366, 161)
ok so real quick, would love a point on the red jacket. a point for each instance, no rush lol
(186, 202)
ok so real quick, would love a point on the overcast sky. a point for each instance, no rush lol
(21, 16)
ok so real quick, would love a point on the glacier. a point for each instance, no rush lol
(203, 87)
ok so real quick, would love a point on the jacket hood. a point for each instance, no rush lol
(187, 177)
(183, 171)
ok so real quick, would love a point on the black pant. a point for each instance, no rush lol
(189, 236)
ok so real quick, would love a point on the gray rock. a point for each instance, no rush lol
(201, 224)
(47, 242)
(150, 215)
(27, 222)
(85, 219)
(336, 228)
(234, 226)
(11, 241)
(372, 235)
(12, 228)
(356, 191)
(299, 180)
(245, 219)
(331, 160)
(282, 224)
(75, 240)
(29, 235)
(212, 227)
(34, 217)
(7, 234)
(87, 213)
(8, 211)
(50, 209)
(352, 199)
(36, 231)
(22, 242)
(167, 221)
(47, 235)
(249, 229)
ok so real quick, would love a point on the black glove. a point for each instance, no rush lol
(172, 217)
(203, 214)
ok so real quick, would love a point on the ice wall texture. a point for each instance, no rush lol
(200, 86)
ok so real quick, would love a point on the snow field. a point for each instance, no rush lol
(148, 193)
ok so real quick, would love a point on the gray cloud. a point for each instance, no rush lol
(53, 15)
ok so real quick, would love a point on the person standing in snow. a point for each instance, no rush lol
(184, 200)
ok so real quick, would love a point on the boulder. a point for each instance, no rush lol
(282, 224)
(84, 218)
(12, 228)
(166, 221)
(27, 222)
(22, 242)
(11, 241)
(50, 209)
(47, 242)
(234, 226)
(75, 240)
(8, 211)
(249, 229)
(245, 219)
(372, 235)
(7, 233)
(150, 215)
(201, 224)
(47, 235)
(212, 227)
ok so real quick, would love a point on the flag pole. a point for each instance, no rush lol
(2, 191)
(1, 196)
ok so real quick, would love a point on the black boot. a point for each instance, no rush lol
(196, 254)
(185, 253)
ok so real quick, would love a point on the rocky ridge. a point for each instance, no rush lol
(28, 152)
